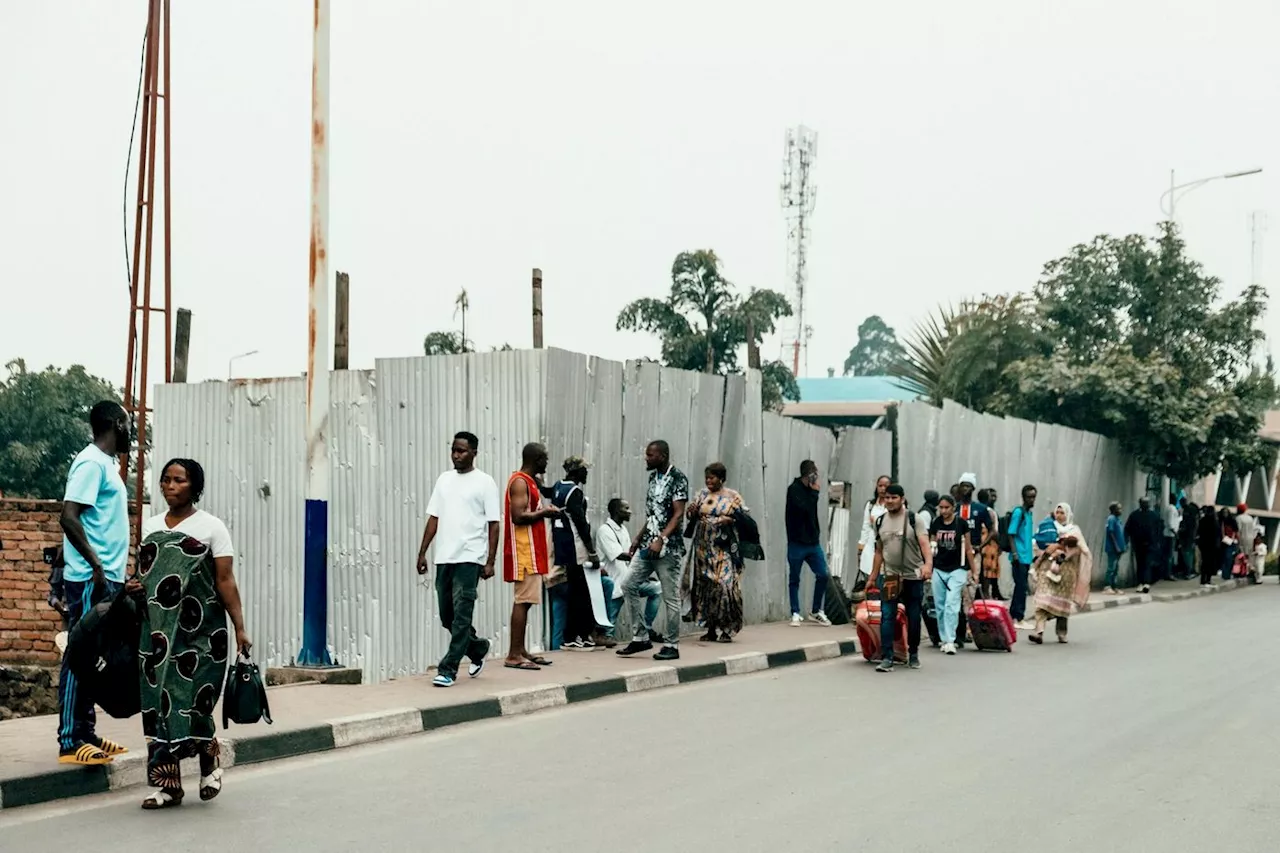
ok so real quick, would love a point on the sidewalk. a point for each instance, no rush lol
(315, 718)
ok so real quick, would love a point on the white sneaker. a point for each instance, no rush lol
(796, 619)
(1026, 625)
(821, 618)
(948, 648)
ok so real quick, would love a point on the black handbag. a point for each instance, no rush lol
(245, 699)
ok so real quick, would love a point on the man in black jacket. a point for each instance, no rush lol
(1144, 530)
(804, 541)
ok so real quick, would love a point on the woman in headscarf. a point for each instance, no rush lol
(870, 513)
(1063, 572)
(184, 566)
(717, 565)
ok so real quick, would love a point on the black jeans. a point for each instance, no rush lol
(912, 596)
(456, 596)
(1018, 601)
(76, 718)
(581, 620)
(1142, 559)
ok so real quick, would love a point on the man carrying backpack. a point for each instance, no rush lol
(1021, 526)
(905, 560)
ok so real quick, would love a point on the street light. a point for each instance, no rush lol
(231, 361)
(1175, 188)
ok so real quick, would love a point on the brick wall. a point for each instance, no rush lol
(27, 623)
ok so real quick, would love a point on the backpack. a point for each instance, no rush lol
(1004, 536)
(102, 652)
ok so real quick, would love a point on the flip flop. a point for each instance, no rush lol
(538, 661)
(524, 664)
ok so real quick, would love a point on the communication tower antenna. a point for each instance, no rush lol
(798, 195)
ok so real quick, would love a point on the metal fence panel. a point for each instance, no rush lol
(249, 437)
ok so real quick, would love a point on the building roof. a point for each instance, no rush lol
(853, 389)
(846, 400)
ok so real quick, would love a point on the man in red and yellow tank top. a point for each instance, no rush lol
(526, 550)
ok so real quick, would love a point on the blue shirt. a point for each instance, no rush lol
(94, 480)
(1115, 535)
(1021, 527)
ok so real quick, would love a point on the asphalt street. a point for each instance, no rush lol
(1154, 729)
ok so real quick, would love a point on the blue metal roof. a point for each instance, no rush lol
(853, 389)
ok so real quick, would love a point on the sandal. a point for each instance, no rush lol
(162, 799)
(537, 661)
(110, 747)
(527, 665)
(211, 785)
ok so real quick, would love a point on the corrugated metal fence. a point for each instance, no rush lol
(389, 433)
(1085, 470)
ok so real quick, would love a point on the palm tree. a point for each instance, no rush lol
(462, 303)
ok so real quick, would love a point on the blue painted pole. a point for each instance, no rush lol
(315, 564)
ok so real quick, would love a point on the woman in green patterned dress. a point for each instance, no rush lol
(184, 566)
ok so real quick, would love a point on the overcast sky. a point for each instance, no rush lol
(961, 145)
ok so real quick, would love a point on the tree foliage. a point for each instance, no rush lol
(703, 323)
(1143, 352)
(962, 354)
(446, 343)
(44, 423)
(876, 351)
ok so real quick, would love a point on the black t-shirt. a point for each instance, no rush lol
(950, 539)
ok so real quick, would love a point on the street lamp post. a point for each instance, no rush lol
(232, 361)
(1176, 190)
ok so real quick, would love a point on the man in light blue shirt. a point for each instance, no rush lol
(95, 548)
(1021, 527)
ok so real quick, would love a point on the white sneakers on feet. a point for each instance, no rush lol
(948, 648)
(796, 619)
(821, 618)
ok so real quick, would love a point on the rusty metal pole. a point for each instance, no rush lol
(537, 308)
(341, 327)
(182, 345)
(315, 581)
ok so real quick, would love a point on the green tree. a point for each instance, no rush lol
(962, 354)
(703, 323)
(445, 343)
(44, 423)
(876, 351)
(1143, 352)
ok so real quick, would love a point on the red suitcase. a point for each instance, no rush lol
(867, 619)
(991, 626)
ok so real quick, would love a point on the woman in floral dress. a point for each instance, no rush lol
(717, 565)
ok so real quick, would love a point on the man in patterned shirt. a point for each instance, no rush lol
(658, 547)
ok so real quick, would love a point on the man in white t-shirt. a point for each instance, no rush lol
(613, 544)
(462, 520)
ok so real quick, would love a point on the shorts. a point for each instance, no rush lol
(529, 590)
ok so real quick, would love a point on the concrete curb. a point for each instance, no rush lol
(129, 771)
(1117, 601)
(1224, 586)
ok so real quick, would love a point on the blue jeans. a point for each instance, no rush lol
(76, 718)
(651, 591)
(1228, 559)
(667, 567)
(912, 596)
(948, 590)
(1018, 602)
(1113, 570)
(797, 556)
(558, 597)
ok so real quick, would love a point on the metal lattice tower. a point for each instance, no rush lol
(798, 195)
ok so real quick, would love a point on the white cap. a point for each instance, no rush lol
(971, 479)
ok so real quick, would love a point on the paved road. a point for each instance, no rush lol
(1153, 730)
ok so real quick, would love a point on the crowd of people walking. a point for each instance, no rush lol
(939, 566)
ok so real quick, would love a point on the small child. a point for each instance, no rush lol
(1258, 559)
